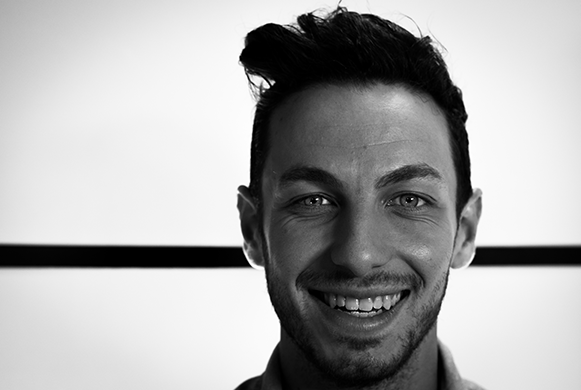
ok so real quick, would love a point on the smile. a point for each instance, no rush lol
(363, 307)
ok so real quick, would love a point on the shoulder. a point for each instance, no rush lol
(468, 385)
(449, 377)
(251, 384)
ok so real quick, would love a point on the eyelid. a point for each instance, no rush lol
(301, 199)
(423, 198)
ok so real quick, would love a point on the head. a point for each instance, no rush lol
(360, 198)
(348, 48)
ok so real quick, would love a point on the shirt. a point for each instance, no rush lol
(448, 376)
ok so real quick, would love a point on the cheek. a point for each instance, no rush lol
(428, 252)
(292, 249)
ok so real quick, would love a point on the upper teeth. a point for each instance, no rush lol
(362, 304)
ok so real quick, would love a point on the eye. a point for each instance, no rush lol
(407, 201)
(314, 201)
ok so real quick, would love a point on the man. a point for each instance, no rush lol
(359, 201)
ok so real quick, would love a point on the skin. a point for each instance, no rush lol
(358, 199)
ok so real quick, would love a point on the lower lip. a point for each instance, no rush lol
(353, 326)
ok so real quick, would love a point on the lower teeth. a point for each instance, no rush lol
(358, 313)
(364, 313)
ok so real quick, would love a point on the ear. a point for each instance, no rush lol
(249, 223)
(465, 245)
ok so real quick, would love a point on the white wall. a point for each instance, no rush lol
(128, 122)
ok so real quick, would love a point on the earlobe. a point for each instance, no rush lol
(249, 223)
(465, 244)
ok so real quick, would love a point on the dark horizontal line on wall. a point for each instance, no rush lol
(17, 255)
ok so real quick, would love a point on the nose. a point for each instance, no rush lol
(362, 241)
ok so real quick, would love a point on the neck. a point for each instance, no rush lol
(419, 372)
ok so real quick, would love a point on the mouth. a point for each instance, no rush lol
(361, 307)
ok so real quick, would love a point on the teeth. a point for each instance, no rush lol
(332, 300)
(351, 303)
(362, 306)
(364, 314)
(365, 304)
(387, 302)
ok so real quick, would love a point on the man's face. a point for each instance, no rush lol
(358, 224)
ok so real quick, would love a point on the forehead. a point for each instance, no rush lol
(358, 132)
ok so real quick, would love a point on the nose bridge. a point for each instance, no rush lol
(361, 241)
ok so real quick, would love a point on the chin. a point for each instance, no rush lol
(362, 363)
(356, 362)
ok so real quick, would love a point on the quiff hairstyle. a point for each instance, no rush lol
(348, 48)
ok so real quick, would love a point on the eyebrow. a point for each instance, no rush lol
(320, 176)
(408, 172)
(309, 174)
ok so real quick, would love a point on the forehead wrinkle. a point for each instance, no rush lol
(359, 135)
(351, 146)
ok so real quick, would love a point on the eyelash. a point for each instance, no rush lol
(301, 201)
(422, 202)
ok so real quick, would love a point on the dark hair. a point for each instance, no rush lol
(345, 47)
